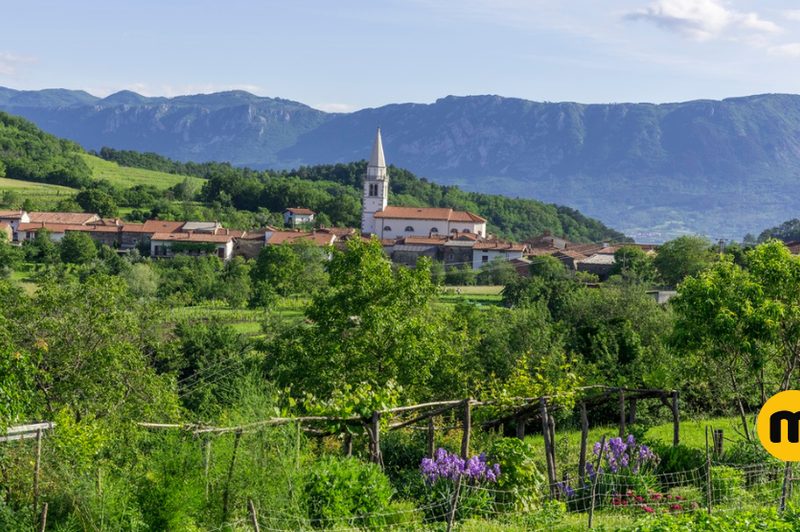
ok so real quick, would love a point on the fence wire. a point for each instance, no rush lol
(718, 487)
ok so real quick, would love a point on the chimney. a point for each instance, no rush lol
(191, 232)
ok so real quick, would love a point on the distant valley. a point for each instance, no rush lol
(721, 168)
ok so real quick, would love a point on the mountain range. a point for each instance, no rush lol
(720, 168)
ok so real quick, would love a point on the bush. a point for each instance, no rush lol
(346, 489)
(521, 483)
(726, 483)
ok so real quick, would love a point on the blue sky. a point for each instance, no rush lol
(342, 55)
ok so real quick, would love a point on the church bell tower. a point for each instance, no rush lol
(376, 188)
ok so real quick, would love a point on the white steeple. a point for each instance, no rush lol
(376, 169)
(376, 187)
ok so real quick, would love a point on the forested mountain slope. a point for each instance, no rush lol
(718, 167)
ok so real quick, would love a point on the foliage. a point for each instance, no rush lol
(77, 248)
(521, 483)
(30, 154)
(373, 325)
(633, 263)
(682, 257)
(346, 491)
(726, 483)
(97, 201)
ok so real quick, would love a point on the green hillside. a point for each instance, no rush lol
(125, 177)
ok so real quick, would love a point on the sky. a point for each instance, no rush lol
(345, 55)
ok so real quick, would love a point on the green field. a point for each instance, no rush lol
(128, 177)
(41, 193)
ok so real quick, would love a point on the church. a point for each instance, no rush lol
(377, 218)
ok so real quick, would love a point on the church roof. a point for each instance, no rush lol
(429, 213)
(377, 159)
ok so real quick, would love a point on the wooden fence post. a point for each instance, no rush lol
(708, 475)
(584, 443)
(596, 476)
(431, 438)
(253, 516)
(622, 413)
(348, 445)
(551, 479)
(719, 436)
(676, 421)
(43, 518)
(551, 424)
(207, 461)
(36, 469)
(787, 478)
(467, 429)
(376, 438)
(453, 504)
(230, 475)
(521, 428)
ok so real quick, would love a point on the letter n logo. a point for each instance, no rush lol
(793, 430)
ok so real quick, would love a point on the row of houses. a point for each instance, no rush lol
(167, 238)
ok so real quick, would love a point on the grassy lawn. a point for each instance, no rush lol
(129, 177)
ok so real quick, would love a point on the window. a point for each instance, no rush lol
(454, 231)
(485, 258)
(409, 229)
(435, 230)
(387, 228)
(452, 256)
(466, 231)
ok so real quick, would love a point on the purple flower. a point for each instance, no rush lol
(450, 466)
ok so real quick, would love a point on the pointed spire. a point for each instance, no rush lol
(376, 159)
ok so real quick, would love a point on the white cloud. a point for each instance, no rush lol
(786, 50)
(9, 63)
(791, 14)
(703, 20)
(335, 107)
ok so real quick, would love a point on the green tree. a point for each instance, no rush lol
(11, 256)
(96, 201)
(274, 274)
(497, 272)
(91, 347)
(11, 197)
(77, 248)
(374, 324)
(684, 256)
(634, 264)
(236, 283)
(41, 248)
(548, 268)
(142, 280)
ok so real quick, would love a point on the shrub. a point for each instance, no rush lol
(726, 483)
(346, 489)
(521, 483)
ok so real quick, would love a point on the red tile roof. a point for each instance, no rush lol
(12, 215)
(75, 218)
(322, 239)
(62, 228)
(498, 245)
(429, 213)
(160, 226)
(299, 211)
(191, 237)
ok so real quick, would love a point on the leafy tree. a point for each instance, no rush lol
(68, 205)
(682, 257)
(274, 274)
(90, 346)
(41, 248)
(12, 198)
(236, 283)
(375, 324)
(633, 263)
(718, 318)
(97, 201)
(11, 256)
(548, 268)
(456, 276)
(77, 247)
(497, 272)
(142, 280)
